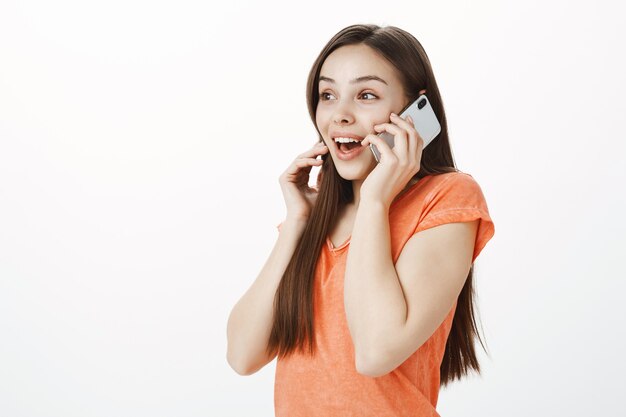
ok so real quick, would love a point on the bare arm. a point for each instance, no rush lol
(393, 309)
(250, 321)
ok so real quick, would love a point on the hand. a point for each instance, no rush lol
(294, 182)
(398, 165)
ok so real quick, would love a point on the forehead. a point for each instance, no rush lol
(351, 61)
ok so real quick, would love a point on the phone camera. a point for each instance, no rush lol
(421, 103)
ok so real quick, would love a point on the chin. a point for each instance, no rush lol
(348, 170)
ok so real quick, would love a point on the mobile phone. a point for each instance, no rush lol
(426, 123)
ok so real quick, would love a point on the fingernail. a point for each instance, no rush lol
(394, 115)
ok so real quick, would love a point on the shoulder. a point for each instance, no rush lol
(448, 187)
(454, 192)
(456, 197)
(456, 177)
(454, 183)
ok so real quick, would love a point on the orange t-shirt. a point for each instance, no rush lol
(328, 384)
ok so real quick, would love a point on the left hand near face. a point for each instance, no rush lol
(397, 165)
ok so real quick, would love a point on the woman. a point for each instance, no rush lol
(366, 298)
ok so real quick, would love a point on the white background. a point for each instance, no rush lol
(140, 148)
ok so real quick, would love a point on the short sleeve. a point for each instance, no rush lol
(458, 198)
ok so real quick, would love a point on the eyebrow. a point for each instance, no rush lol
(357, 80)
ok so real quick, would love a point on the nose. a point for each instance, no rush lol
(343, 115)
(342, 120)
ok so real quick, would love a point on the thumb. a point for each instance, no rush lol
(371, 138)
(366, 141)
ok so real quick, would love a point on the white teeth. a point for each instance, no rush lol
(345, 140)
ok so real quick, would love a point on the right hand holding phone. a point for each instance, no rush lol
(294, 182)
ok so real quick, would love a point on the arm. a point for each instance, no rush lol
(392, 310)
(250, 321)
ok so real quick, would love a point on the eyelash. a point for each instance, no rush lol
(321, 96)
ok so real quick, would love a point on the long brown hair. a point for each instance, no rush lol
(293, 303)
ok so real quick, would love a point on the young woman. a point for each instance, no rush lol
(366, 299)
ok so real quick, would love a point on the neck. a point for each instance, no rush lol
(356, 189)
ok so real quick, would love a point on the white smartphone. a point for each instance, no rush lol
(426, 123)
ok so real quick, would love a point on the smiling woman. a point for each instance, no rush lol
(357, 89)
(374, 324)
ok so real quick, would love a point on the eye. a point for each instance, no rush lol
(371, 94)
(322, 96)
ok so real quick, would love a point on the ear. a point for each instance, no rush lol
(423, 91)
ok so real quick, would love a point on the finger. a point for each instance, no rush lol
(385, 150)
(400, 139)
(317, 149)
(412, 141)
(303, 164)
(307, 161)
(419, 142)
(414, 137)
(406, 123)
(402, 122)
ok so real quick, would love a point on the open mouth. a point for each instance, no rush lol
(346, 142)
(348, 147)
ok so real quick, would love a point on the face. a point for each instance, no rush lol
(347, 107)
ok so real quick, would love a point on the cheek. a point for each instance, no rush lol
(321, 120)
(317, 119)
